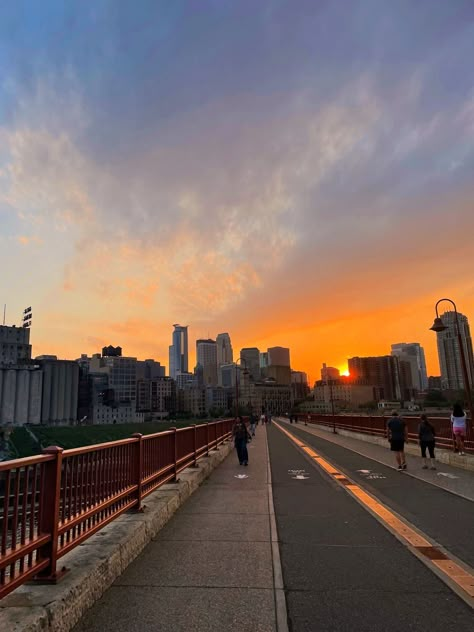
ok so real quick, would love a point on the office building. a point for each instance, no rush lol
(122, 373)
(329, 373)
(378, 371)
(216, 399)
(263, 364)
(149, 369)
(414, 354)
(278, 367)
(299, 385)
(250, 360)
(206, 355)
(178, 351)
(342, 394)
(278, 356)
(449, 353)
(227, 375)
(225, 354)
(156, 397)
(15, 345)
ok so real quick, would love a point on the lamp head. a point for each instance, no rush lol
(438, 325)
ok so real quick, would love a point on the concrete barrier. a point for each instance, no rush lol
(96, 564)
(465, 462)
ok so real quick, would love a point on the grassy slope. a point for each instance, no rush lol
(73, 437)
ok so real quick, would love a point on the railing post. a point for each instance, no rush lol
(207, 438)
(195, 463)
(175, 446)
(138, 469)
(49, 515)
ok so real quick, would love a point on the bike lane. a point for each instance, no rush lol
(445, 517)
(342, 570)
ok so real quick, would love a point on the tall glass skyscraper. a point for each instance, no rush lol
(449, 354)
(414, 354)
(179, 351)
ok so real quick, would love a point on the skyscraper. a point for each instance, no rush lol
(225, 354)
(206, 356)
(250, 357)
(179, 351)
(449, 354)
(414, 354)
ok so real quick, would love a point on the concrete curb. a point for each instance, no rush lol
(443, 456)
(96, 564)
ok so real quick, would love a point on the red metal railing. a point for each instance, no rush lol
(51, 503)
(377, 425)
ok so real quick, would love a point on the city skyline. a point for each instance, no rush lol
(237, 168)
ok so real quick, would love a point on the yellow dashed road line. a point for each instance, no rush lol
(447, 568)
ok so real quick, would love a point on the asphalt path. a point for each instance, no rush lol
(445, 517)
(342, 569)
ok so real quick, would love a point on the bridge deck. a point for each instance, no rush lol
(211, 567)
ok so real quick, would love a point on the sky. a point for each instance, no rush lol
(294, 173)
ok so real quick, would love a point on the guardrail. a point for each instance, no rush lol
(52, 502)
(376, 425)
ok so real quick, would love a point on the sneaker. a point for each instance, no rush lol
(399, 467)
(433, 467)
(404, 466)
(245, 463)
(424, 467)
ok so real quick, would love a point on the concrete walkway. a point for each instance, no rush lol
(211, 568)
(452, 479)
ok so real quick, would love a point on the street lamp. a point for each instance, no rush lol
(439, 326)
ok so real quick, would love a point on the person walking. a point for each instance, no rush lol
(241, 437)
(253, 423)
(426, 435)
(458, 422)
(397, 434)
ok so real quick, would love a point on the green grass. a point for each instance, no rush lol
(23, 444)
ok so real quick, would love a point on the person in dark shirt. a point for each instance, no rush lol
(397, 434)
(426, 435)
(241, 437)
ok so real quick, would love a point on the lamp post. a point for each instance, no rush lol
(439, 326)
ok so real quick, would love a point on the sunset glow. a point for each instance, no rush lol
(236, 168)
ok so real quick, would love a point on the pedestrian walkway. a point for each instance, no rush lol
(210, 568)
(453, 479)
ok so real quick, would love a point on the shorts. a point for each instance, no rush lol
(430, 445)
(397, 445)
(459, 431)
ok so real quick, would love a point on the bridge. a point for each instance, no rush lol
(169, 532)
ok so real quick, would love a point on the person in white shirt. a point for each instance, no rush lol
(458, 421)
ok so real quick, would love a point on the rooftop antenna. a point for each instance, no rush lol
(4, 312)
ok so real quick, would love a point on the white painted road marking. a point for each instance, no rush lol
(241, 476)
(370, 474)
(447, 475)
(300, 477)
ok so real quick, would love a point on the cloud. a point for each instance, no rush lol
(267, 185)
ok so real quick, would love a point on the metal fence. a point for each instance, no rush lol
(52, 502)
(377, 425)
